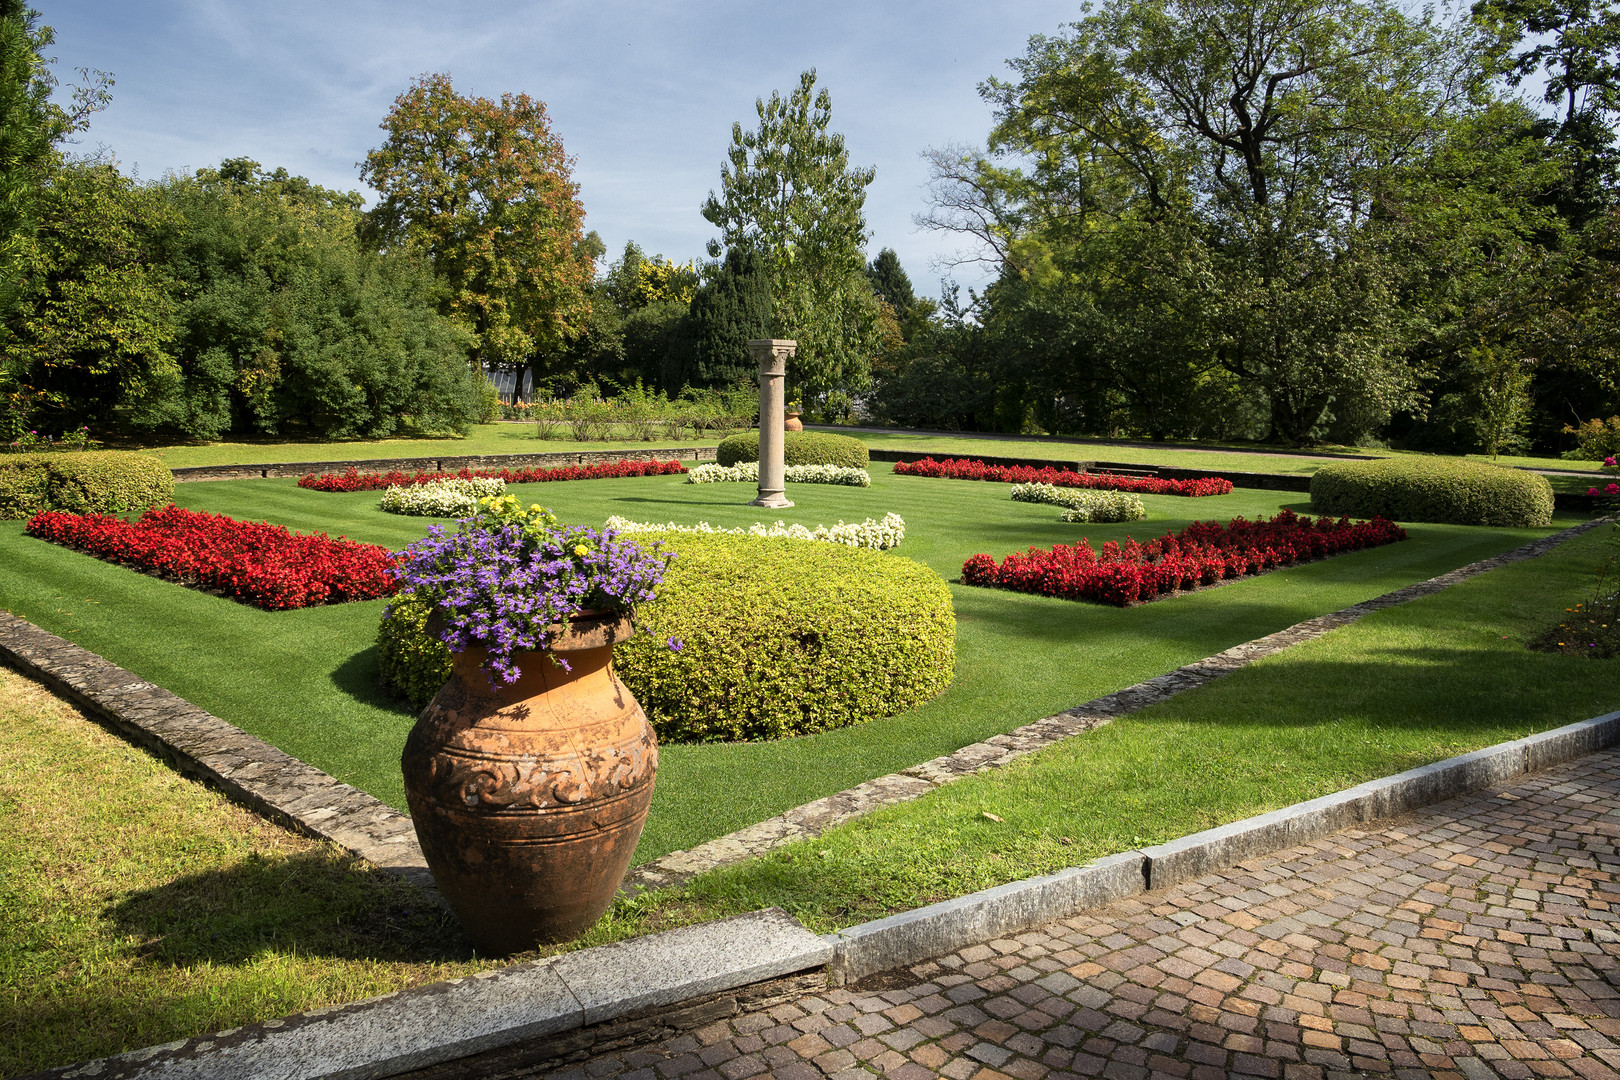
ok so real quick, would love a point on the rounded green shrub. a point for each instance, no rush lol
(100, 482)
(800, 448)
(1446, 490)
(752, 638)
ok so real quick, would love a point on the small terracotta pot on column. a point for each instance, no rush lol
(772, 354)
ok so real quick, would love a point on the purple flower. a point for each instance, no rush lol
(676, 644)
(511, 589)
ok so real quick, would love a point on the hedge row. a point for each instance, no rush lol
(101, 482)
(777, 638)
(1451, 491)
(799, 448)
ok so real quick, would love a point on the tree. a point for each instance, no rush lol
(710, 349)
(1270, 155)
(789, 192)
(890, 283)
(485, 191)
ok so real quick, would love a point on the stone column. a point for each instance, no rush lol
(772, 354)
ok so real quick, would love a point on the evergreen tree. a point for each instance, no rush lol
(734, 307)
(890, 283)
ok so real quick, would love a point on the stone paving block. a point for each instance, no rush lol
(1387, 962)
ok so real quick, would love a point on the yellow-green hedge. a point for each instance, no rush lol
(778, 637)
(102, 482)
(799, 448)
(1446, 490)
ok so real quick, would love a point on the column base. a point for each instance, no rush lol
(772, 500)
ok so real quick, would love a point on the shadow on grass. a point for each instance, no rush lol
(357, 677)
(317, 902)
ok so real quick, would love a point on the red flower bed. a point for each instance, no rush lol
(1201, 554)
(968, 469)
(354, 480)
(262, 564)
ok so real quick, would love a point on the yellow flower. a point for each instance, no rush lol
(581, 550)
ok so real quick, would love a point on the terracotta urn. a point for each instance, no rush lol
(793, 423)
(529, 797)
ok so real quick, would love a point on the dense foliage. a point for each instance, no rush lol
(1433, 489)
(1201, 554)
(109, 482)
(255, 562)
(866, 636)
(799, 448)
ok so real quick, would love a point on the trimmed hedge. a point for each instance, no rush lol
(1450, 491)
(777, 638)
(100, 482)
(800, 448)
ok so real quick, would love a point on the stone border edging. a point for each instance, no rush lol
(247, 769)
(441, 464)
(914, 936)
(813, 818)
(446, 1021)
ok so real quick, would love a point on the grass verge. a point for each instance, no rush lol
(138, 907)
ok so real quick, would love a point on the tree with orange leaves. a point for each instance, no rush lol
(484, 190)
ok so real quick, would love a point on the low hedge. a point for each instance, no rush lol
(101, 482)
(777, 638)
(1446, 490)
(800, 448)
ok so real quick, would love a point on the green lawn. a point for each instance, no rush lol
(1403, 687)
(304, 679)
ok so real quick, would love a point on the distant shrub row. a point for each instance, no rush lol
(800, 448)
(1444, 490)
(103, 482)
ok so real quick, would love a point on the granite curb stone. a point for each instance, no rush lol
(428, 1025)
(1008, 910)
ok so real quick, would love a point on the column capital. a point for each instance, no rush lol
(772, 354)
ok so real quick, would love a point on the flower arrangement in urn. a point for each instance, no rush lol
(529, 775)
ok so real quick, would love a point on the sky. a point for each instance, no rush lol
(643, 95)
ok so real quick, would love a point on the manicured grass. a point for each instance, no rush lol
(503, 438)
(303, 680)
(138, 907)
(1403, 687)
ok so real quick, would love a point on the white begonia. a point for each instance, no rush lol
(453, 498)
(1083, 505)
(877, 535)
(748, 472)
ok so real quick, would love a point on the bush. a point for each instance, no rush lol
(1595, 439)
(802, 448)
(1445, 490)
(776, 638)
(103, 482)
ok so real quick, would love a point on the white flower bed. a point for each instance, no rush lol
(1083, 505)
(877, 535)
(748, 472)
(454, 498)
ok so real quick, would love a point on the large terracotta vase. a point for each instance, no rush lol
(529, 797)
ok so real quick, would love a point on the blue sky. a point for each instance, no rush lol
(643, 94)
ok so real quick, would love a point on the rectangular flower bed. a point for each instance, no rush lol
(261, 564)
(969, 469)
(1201, 554)
(354, 480)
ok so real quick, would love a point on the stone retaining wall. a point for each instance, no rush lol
(446, 463)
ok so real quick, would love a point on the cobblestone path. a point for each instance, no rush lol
(1478, 938)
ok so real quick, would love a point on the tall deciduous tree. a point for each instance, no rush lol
(1269, 147)
(789, 192)
(484, 189)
